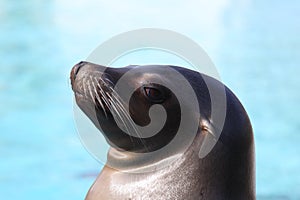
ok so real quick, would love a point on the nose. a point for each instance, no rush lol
(76, 69)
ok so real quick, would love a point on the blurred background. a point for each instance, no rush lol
(254, 44)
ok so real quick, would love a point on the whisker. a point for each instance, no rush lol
(115, 104)
(127, 116)
(105, 100)
(90, 91)
(98, 97)
(84, 86)
(120, 117)
(124, 116)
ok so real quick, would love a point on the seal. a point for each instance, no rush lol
(227, 172)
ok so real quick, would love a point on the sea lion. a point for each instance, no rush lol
(227, 172)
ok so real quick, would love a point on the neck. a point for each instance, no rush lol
(187, 178)
(141, 162)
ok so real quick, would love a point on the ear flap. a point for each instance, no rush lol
(208, 138)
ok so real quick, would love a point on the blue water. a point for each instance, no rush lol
(254, 44)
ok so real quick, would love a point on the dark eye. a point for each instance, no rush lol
(154, 94)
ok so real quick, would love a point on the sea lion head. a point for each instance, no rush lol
(151, 113)
(151, 102)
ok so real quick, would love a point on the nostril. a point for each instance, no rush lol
(75, 70)
(78, 66)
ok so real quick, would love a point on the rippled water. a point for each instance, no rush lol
(254, 44)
